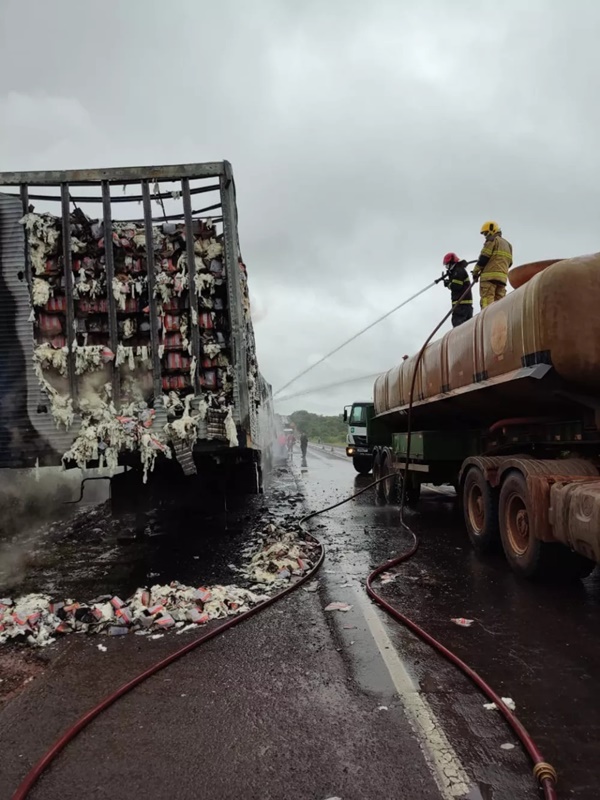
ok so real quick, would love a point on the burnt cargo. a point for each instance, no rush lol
(535, 353)
(114, 351)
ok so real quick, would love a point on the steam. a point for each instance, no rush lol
(29, 500)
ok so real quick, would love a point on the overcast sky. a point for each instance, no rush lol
(367, 139)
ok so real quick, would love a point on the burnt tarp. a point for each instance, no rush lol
(22, 400)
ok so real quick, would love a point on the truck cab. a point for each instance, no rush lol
(357, 443)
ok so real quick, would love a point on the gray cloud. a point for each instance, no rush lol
(366, 140)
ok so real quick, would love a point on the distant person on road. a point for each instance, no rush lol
(456, 278)
(303, 444)
(495, 260)
(291, 441)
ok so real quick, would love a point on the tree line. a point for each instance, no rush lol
(330, 430)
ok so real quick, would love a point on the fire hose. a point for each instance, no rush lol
(38, 769)
(544, 772)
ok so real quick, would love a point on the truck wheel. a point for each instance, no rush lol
(480, 508)
(527, 556)
(362, 464)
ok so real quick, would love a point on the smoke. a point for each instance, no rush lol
(259, 310)
(29, 501)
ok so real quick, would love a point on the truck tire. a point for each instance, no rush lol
(529, 557)
(480, 509)
(362, 464)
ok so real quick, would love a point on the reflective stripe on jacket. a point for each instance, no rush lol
(495, 259)
(457, 279)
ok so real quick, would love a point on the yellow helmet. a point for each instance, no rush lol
(490, 227)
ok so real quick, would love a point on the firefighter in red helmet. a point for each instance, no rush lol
(456, 278)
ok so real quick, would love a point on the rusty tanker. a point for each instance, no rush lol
(506, 408)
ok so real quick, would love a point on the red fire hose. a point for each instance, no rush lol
(544, 772)
(36, 771)
(511, 422)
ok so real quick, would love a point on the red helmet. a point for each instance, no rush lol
(451, 258)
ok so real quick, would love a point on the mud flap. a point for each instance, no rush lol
(185, 458)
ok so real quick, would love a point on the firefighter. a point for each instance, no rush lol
(456, 278)
(493, 264)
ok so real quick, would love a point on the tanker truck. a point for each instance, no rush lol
(126, 338)
(506, 409)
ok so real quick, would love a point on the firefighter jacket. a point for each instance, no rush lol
(495, 259)
(457, 279)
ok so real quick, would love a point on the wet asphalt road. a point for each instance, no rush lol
(302, 703)
(535, 643)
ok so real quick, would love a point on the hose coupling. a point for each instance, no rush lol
(543, 771)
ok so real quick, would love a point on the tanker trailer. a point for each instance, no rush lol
(506, 408)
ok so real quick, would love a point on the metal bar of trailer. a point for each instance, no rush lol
(109, 263)
(68, 279)
(214, 187)
(241, 411)
(168, 217)
(150, 267)
(191, 264)
(25, 204)
(119, 175)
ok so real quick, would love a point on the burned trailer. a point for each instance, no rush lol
(127, 336)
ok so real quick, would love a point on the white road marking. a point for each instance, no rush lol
(446, 767)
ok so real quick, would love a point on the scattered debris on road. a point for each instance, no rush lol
(387, 577)
(507, 746)
(312, 586)
(464, 623)
(37, 619)
(338, 607)
(508, 702)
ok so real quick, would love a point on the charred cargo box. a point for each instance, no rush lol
(125, 332)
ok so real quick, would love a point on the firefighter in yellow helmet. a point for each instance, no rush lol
(493, 264)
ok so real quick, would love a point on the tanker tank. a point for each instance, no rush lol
(534, 353)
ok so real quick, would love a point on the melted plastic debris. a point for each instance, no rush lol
(37, 619)
(338, 607)
(313, 586)
(203, 385)
(508, 702)
(282, 557)
(464, 623)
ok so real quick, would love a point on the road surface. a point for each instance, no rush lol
(302, 703)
